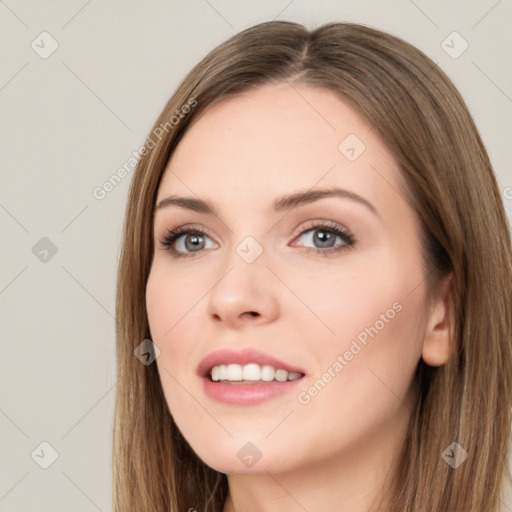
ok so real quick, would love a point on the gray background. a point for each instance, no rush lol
(68, 122)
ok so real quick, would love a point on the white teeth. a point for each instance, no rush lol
(251, 372)
(268, 373)
(233, 372)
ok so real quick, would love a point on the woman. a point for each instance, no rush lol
(316, 273)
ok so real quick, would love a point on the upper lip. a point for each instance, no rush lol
(243, 356)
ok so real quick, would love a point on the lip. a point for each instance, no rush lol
(247, 394)
(238, 393)
(244, 356)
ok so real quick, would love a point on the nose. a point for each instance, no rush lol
(244, 294)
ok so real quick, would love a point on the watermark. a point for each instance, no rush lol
(454, 455)
(351, 147)
(100, 192)
(249, 455)
(146, 352)
(179, 113)
(44, 250)
(249, 249)
(44, 45)
(507, 193)
(44, 455)
(454, 45)
(304, 397)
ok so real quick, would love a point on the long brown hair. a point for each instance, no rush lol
(422, 118)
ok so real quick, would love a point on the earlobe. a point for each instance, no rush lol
(437, 345)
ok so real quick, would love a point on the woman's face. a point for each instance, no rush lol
(330, 286)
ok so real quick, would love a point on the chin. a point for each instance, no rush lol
(239, 456)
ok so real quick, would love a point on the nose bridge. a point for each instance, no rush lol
(250, 250)
(248, 242)
(245, 284)
(245, 266)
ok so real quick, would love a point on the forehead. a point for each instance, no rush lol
(278, 138)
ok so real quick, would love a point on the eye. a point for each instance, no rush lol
(181, 240)
(324, 236)
(190, 241)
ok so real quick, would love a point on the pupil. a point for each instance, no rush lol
(194, 241)
(325, 237)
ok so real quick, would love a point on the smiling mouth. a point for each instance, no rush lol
(251, 373)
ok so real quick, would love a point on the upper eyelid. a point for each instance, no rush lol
(310, 225)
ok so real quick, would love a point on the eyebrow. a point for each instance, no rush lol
(282, 203)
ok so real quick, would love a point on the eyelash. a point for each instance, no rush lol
(349, 240)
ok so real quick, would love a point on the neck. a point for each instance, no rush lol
(354, 480)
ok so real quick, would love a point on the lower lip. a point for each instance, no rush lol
(247, 394)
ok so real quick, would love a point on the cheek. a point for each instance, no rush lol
(165, 307)
(173, 306)
(354, 297)
(369, 313)
(361, 385)
(170, 312)
(159, 305)
(169, 300)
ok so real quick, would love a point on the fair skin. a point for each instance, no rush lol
(306, 308)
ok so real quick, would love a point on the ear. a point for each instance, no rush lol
(437, 346)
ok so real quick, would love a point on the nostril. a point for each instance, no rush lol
(252, 313)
